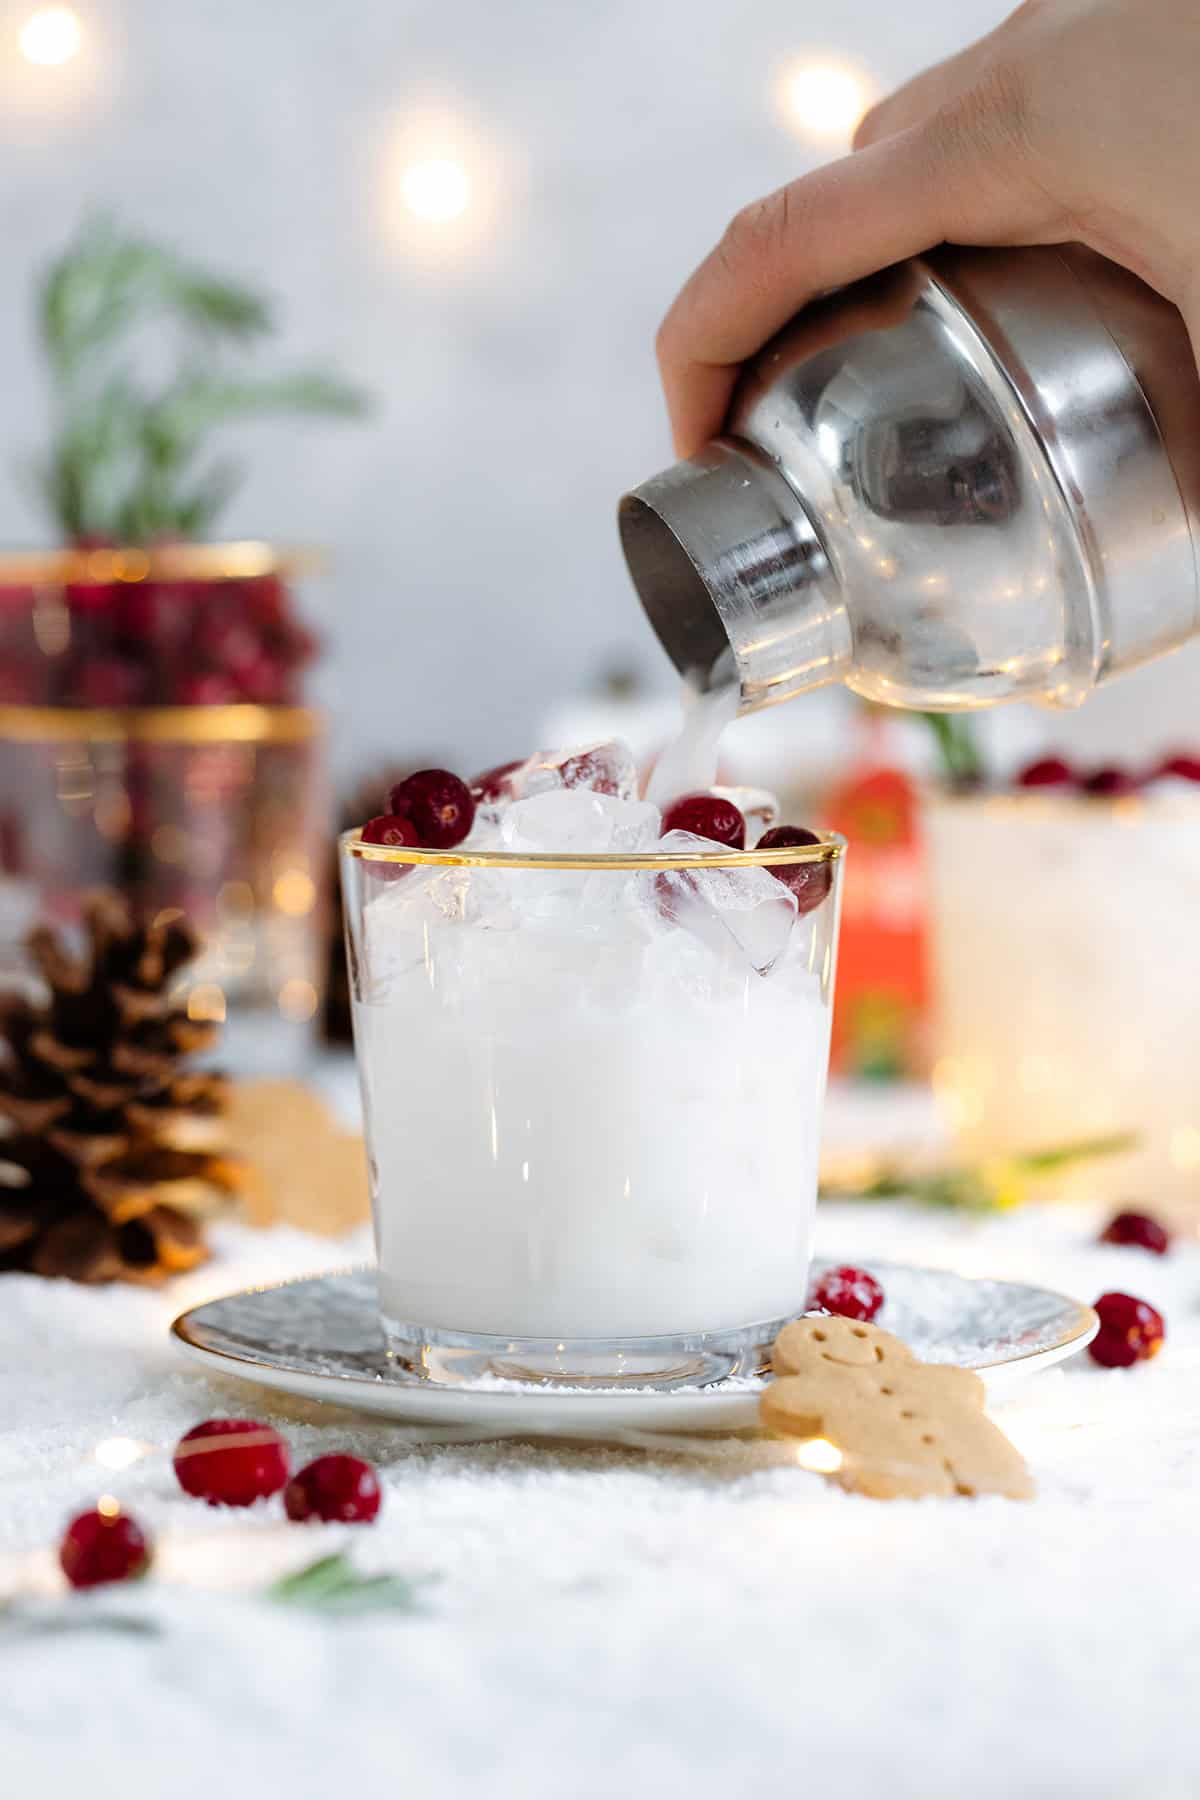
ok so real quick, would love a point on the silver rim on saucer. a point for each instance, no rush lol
(319, 1337)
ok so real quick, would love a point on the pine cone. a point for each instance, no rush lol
(113, 1149)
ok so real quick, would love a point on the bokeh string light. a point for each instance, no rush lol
(448, 179)
(436, 190)
(824, 98)
(121, 1452)
(819, 1455)
(50, 36)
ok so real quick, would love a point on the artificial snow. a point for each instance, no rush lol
(600, 1623)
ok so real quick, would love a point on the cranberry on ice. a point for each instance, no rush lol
(707, 816)
(1047, 771)
(809, 881)
(494, 784)
(850, 1293)
(231, 1462)
(341, 1489)
(1139, 1230)
(104, 1545)
(1131, 1331)
(437, 804)
(386, 828)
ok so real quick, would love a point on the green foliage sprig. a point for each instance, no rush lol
(961, 758)
(333, 1585)
(995, 1185)
(127, 462)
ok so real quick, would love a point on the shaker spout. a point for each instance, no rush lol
(733, 578)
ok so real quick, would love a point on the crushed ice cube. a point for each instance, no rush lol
(740, 912)
(579, 822)
(410, 927)
(574, 822)
(484, 833)
(422, 897)
(607, 768)
(492, 789)
(758, 806)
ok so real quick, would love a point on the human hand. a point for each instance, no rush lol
(1075, 120)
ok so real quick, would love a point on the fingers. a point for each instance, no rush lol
(942, 179)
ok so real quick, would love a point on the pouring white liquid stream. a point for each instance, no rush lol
(689, 764)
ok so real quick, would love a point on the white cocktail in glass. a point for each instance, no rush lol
(593, 1084)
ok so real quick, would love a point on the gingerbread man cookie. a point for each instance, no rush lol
(905, 1428)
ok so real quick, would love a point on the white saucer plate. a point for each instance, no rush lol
(319, 1339)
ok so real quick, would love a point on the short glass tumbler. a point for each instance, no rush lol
(1063, 934)
(592, 1088)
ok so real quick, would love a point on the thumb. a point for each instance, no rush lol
(956, 176)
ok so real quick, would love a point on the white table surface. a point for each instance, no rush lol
(603, 1623)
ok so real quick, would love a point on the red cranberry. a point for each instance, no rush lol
(494, 784)
(1182, 767)
(19, 683)
(231, 1462)
(1138, 1229)
(438, 804)
(850, 1293)
(97, 598)
(159, 616)
(1047, 771)
(109, 681)
(399, 834)
(207, 688)
(230, 640)
(105, 1545)
(707, 816)
(1130, 1331)
(266, 599)
(388, 829)
(1109, 783)
(300, 646)
(263, 681)
(810, 882)
(343, 1489)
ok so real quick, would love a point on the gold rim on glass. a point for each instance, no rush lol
(828, 850)
(241, 561)
(236, 724)
(1049, 802)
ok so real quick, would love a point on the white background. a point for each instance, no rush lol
(477, 576)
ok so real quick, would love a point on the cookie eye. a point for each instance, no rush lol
(878, 1350)
(928, 1438)
(888, 1391)
(818, 1337)
(908, 1415)
(859, 1334)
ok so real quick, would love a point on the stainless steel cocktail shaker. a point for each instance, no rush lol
(973, 478)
